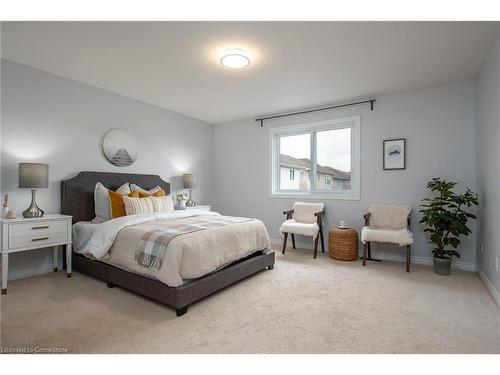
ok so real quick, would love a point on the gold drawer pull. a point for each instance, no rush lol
(40, 239)
(44, 227)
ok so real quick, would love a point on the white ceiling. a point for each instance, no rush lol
(294, 64)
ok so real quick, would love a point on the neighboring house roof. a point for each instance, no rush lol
(291, 162)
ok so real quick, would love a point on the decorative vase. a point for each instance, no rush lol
(5, 206)
(182, 204)
(442, 266)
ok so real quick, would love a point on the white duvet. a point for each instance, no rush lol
(188, 256)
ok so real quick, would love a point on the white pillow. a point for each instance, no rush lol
(102, 202)
(148, 205)
(134, 187)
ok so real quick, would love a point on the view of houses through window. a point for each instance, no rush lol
(332, 153)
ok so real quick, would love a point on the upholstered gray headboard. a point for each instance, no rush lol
(77, 193)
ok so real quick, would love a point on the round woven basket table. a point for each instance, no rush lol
(343, 243)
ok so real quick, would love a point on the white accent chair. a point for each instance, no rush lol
(306, 219)
(387, 223)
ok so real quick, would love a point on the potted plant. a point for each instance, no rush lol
(446, 217)
(181, 200)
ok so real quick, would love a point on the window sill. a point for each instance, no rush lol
(316, 196)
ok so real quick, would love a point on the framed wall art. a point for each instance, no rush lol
(120, 147)
(394, 154)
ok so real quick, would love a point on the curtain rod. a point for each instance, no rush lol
(262, 119)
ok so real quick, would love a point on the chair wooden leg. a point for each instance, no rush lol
(408, 255)
(284, 243)
(367, 253)
(365, 249)
(322, 240)
(316, 246)
(293, 241)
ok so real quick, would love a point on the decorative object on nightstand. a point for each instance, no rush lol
(33, 176)
(343, 243)
(188, 183)
(32, 234)
(181, 199)
(5, 206)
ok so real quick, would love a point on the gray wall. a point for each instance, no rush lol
(438, 123)
(50, 119)
(488, 165)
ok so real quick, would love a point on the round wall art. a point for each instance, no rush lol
(120, 147)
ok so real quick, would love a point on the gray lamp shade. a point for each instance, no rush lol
(33, 175)
(188, 181)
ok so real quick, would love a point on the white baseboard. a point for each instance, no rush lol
(487, 283)
(425, 261)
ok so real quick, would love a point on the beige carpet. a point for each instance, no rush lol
(302, 306)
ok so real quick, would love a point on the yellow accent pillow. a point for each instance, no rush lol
(116, 203)
(159, 193)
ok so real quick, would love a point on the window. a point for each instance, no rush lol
(317, 160)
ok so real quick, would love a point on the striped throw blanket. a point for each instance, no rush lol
(153, 244)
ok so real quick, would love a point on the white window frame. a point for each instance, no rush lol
(339, 123)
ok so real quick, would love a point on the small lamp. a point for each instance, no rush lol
(188, 183)
(33, 176)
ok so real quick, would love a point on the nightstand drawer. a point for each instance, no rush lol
(37, 239)
(38, 228)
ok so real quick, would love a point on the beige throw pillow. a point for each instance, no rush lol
(162, 204)
(148, 205)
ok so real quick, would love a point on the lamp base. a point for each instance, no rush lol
(33, 210)
(190, 202)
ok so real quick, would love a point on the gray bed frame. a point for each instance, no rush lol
(77, 200)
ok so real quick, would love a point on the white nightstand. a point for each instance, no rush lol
(30, 234)
(201, 208)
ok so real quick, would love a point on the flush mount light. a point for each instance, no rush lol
(235, 58)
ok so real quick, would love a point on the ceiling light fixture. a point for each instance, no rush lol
(235, 58)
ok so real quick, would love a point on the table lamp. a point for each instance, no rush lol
(33, 176)
(188, 183)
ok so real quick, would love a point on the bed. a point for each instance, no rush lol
(77, 200)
